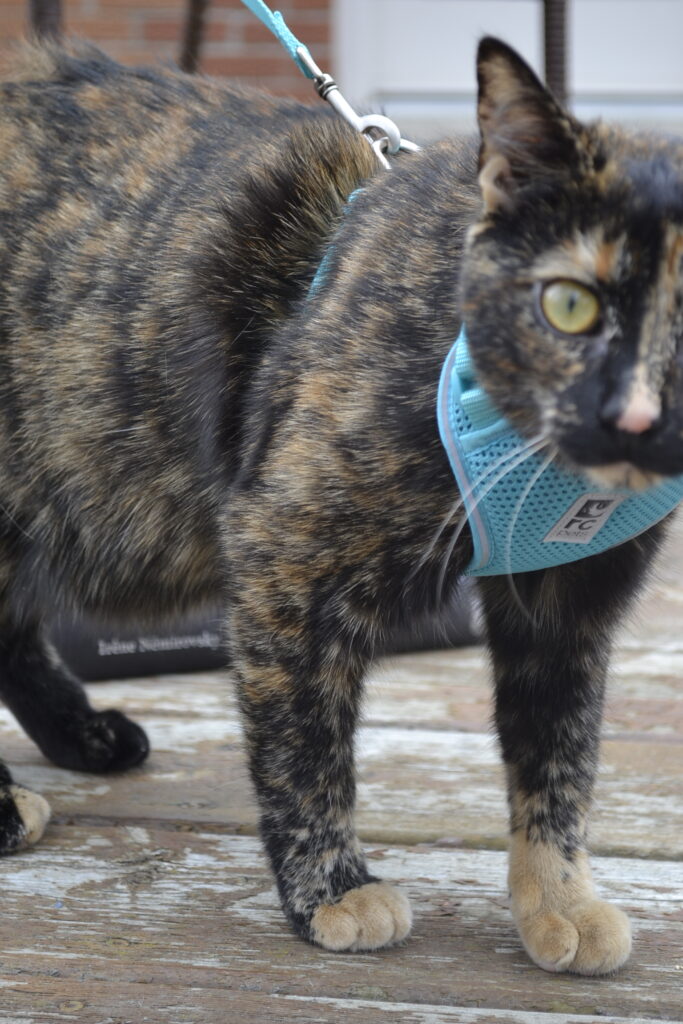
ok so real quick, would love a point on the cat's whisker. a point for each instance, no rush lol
(522, 455)
(465, 495)
(508, 543)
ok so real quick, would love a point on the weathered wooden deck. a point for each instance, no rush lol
(149, 899)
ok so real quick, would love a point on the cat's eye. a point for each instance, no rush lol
(570, 307)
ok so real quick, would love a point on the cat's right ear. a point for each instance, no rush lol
(525, 133)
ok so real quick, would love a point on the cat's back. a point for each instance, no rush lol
(71, 114)
(86, 144)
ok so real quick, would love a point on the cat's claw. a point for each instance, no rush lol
(23, 817)
(590, 938)
(369, 917)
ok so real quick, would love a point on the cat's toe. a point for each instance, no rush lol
(550, 940)
(591, 938)
(369, 917)
(110, 742)
(604, 938)
(23, 817)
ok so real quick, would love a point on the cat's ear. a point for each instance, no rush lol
(525, 135)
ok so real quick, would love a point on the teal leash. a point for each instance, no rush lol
(276, 23)
(380, 131)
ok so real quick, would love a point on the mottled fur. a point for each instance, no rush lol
(178, 421)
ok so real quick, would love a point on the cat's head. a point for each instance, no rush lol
(573, 284)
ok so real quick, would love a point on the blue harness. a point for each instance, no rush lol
(524, 512)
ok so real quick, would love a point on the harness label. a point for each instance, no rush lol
(584, 519)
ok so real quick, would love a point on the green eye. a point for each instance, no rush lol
(570, 307)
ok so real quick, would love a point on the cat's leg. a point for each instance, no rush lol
(23, 814)
(52, 707)
(550, 645)
(300, 670)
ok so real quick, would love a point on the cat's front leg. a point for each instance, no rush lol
(300, 669)
(550, 644)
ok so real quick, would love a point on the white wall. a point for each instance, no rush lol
(415, 58)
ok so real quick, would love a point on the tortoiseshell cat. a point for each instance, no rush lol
(180, 421)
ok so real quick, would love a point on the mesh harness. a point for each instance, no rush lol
(524, 512)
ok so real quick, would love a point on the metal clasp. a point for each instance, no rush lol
(380, 131)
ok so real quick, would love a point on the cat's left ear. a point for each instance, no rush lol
(526, 136)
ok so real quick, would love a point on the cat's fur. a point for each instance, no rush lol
(178, 421)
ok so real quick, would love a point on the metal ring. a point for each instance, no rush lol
(383, 124)
(380, 147)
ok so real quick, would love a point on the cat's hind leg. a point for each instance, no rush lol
(23, 814)
(550, 644)
(52, 707)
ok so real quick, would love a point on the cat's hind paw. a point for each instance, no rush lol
(105, 741)
(369, 917)
(23, 817)
(590, 938)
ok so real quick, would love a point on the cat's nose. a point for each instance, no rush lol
(639, 412)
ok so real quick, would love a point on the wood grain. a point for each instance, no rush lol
(162, 909)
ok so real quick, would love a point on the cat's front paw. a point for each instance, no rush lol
(23, 817)
(589, 938)
(369, 917)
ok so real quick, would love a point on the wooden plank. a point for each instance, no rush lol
(357, 1010)
(126, 1003)
(415, 784)
(172, 917)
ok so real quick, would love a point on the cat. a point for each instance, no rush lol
(183, 420)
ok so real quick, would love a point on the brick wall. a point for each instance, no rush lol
(236, 45)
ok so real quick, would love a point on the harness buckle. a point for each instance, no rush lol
(380, 131)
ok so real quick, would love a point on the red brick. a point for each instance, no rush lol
(162, 29)
(311, 32)
(12, 12)
(235, 5)
(171, 30)
(172, 7)
(99, 29)
(310, 5)
(13, 24)
(255, 32)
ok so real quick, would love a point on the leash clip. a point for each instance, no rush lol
(380, 131)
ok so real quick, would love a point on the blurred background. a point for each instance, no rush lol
(620, 59)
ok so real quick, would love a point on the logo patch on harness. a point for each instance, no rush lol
(584, 519)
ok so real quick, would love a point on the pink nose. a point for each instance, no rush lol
(641, 413)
